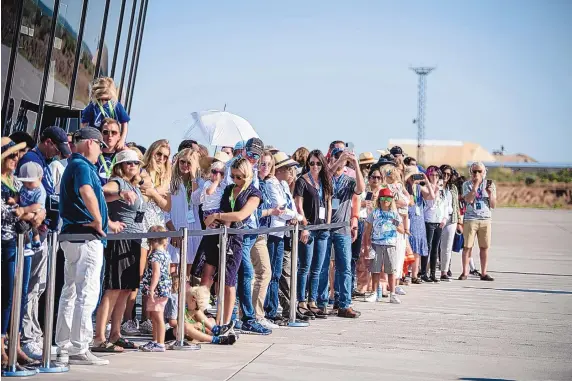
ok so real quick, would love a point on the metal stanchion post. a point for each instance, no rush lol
(47, 365)
(11, 370)
(294, 280)
(181, 343)
(223, 238)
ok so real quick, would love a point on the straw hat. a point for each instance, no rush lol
(283, 160)
(206, 162)
(410, 171)
(366, 158)
(9, 147)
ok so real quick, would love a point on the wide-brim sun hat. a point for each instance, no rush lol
(9, 147)
(366, 158)
(127, 155)
(206, 162)
(410, 171)
(281, 159)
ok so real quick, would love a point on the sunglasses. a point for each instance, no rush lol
(131, 162)
(160, 155)
(101, 144)
(184, 162)
(253, 155)
(265, 164)
(447, 174)
(477, 171)
(386, 199)
(109, 132)
(375, 177)
(12, 156)
(315, 163)
(237, 177)
(434, 174)
(214, 172)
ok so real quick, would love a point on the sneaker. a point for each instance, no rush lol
(475, 272)
(357, 294)
(62, 356)
(279, 321)
(348, 313)
(394, 299)
(449, 273)
(87, 358)
(487, 277)
(331, 302)
(434, 279)
(146, 327)
(227, 340)
(130, 328)
(400, 291)
(147, 347)
(267, 324)
(227, 329)
(426, 279)
(445, 278)
(33, 350)
(254, 328)
(372, 298)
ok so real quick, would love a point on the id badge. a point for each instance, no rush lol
(417, 210)
(335, 203)
(322, 213)
(190, 216)
(479, 205)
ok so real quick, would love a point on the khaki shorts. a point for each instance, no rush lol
(386, 257)
(480, 228)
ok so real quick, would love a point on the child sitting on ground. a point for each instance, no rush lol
(156, 286)
(32, 198)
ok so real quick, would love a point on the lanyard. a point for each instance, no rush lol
(319, 189)
(111, 109)
(231, 199)
(479, 193)
(105, 167)
(337, 183)
(416, 194)
(188, 191)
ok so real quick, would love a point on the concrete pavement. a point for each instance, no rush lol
(516, 328)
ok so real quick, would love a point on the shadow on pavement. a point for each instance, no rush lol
(483, 379)
(558, 292)
(520, 273)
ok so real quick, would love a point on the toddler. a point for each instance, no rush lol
(104, 104)
(32, 198)
(156, 287)
(213, 190)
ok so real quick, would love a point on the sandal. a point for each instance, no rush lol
(416, 281)
(107, 347)
(318, 312)
(125, 344)
(306, 312)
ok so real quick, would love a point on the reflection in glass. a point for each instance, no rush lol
(88, 53)
(110, 37)
(119, 74)
(63, 53)
(9, 14)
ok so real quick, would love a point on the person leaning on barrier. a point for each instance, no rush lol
(481, 197)
(83, 210)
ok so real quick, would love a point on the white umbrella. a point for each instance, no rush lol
(219, 128)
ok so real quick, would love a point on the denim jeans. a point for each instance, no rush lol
(8, 273)
(311, 257)
(343, 278)
(433, 241)
(276, 252)
(356, 249)
(245, 277)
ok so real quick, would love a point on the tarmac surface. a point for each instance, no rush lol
(518, 327)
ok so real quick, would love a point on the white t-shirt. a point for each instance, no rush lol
(211, 202)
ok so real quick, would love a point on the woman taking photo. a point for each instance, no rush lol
(156, 176)
(453, 217)
(435, 219)
(184, 213)
(313, 198)
(416, 183)
(239, 201)
(123, 257)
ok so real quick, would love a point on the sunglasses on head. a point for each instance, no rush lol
(387, 199)
(214, 172)
(315, 163)
(475, 171)
(110, 132)
(237, 177)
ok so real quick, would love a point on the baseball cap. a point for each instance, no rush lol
(385, 192)
(255, 146)
(86, 133)
(239, 146)
(396, 150)
(31, 171)
(336, 151)
(59, 137)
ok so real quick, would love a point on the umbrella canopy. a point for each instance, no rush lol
(219, 128)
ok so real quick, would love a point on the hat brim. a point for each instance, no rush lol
(385, 162)
(65, 150)
(127, 160)
(27, 179)
(14, 148)
(286, 163)
(367, 161)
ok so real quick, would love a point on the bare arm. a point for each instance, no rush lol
(492, 191)
(242, 214)
(366, 236)
(156, 267)
(329, 220)
(31, 208)
(299, 202)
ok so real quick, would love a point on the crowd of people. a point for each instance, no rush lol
(399, 224)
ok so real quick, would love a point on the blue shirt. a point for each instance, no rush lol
(383, 231)
(93, 116)
(105, 165)
(34, 155)
(32, 196)
(74, 213)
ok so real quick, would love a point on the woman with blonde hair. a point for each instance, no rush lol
(104, 104)
(156, 178)
(184, 212)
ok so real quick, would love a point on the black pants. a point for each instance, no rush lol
(433, 240)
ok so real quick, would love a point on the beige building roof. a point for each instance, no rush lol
(437, 152)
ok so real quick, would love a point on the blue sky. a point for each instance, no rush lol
(308, 72)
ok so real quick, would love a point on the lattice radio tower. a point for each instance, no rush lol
(422, 73)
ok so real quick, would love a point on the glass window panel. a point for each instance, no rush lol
(110, 37)
(123, 85)
(123, 43)
(9, 28)
(88, 52)
(63, 52)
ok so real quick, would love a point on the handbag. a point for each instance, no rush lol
(458, 241)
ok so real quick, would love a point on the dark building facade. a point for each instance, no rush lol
(53, 49)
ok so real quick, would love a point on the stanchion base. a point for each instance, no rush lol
(54, 368)
(186, 346)
(298, 324)
(19, 373)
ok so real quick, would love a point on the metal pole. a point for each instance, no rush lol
(47, 365)
(180, 342)
(294, 280)
(223, 238)
(15, 316)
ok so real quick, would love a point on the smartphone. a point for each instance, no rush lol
(369, 196)
(489, 183)
(282, 207)
(350, 146)
(417, 177)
